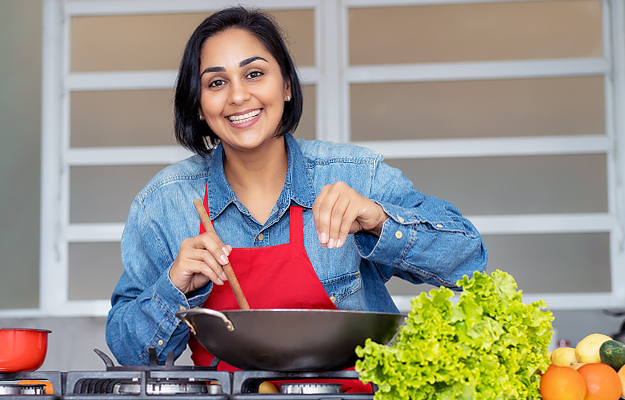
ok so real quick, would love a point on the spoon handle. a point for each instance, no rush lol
(232, 279)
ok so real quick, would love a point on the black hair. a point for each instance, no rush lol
(196, 135)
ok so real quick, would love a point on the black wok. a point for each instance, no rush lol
(288, 340)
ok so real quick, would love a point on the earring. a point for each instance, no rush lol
(200, 117)
(288, 98)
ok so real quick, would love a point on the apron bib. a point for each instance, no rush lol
(272, 277)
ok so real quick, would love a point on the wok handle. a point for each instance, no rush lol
(183, 314)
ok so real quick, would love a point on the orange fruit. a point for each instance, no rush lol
(621, 375)
(602, 382)
(562, 383)
(577, 365)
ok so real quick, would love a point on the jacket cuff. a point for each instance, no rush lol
(394, 241)
(171, 299)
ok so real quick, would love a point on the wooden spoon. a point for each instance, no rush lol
(232, 279)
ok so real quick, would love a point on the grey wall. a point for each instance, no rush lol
(20, 120)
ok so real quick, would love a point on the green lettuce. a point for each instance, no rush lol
(485, 345)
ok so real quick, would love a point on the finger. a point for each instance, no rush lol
(189, 273)
(204, 248)
(321, 215)
(211, 264)
(201, 268)
(349, 224)
(339, 221)
(211, 242)
(203, 262)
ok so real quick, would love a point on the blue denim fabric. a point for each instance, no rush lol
(425, 240)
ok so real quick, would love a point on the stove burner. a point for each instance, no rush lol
(310, 388)
(13, 389)
(166, 387)
(43, 383)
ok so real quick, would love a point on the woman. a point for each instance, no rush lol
(304, 224)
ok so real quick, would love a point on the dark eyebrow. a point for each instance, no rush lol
(241, 64)
(213, 69)
(250, 60)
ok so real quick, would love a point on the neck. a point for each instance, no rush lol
(256, 168)
(257, 177)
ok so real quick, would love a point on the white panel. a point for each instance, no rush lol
(126, 156)
(475, 70)
(119, 7)
(82, 233)
(53, 269)
(544, 223)
(591, 144)
(87, 81)
(392, 3)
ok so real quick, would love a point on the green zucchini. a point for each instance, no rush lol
(612, 353)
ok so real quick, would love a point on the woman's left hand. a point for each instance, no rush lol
(339, 210)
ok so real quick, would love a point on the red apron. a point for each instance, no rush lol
(279, 276)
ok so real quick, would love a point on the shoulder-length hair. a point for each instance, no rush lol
(196, 135)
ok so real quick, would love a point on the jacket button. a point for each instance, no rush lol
(333, 299)
(400, 219)
(260, 237)
(160, 342)
(398, 234)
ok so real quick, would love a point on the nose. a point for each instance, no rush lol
(239, 93)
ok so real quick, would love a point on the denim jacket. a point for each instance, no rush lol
(424, 240)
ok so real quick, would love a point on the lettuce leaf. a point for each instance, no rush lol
(485, 345)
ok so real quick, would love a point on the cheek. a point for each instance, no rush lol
(210, 104)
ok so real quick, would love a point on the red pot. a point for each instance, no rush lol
(22, 349)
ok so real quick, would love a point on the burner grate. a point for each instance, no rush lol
(245, 385)
(54, 378)
(143, 382)
(94, 386)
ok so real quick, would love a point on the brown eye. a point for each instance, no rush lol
(254, 74)
(216, 83)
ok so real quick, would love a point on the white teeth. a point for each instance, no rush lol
(239, 119)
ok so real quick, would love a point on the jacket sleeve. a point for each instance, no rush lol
(145, 300)
(425, 239)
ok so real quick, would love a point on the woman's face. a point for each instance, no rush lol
(243, 91)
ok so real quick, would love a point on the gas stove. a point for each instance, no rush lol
(171, 382)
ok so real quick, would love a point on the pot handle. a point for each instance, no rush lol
(183, 314)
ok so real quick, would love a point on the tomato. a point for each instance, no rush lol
(602, 382)
(562, 383)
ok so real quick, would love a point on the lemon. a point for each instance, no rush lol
(267, 387)
(563, 357)
(587, 350)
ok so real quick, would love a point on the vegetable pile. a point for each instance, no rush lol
(486, 345)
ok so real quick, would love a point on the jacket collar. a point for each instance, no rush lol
(298, 187)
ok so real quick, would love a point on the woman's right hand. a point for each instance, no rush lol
(200, 260)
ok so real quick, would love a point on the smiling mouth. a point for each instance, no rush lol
(239, 119)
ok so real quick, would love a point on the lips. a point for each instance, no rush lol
(243, 118)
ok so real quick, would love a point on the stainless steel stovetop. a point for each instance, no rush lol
(170, 382)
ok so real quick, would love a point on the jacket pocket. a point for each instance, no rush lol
(341, 287)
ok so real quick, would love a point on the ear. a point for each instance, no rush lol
(287, 90)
